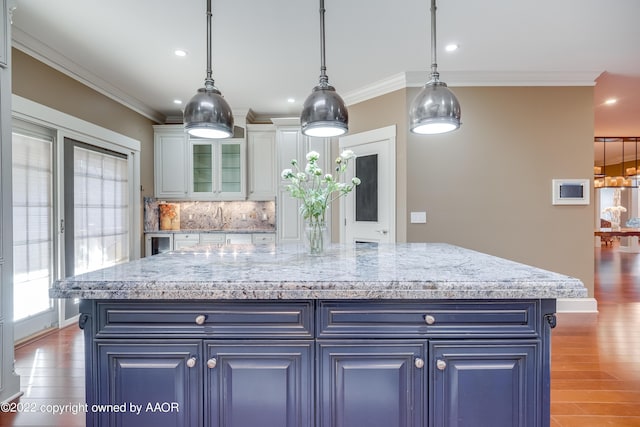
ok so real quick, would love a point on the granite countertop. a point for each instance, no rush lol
(364, 271)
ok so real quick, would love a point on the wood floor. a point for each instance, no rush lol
(595, 360)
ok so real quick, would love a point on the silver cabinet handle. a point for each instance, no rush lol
(441, 364)
(200, 319)
(429, 319)
(212, 363)
(192, 362)
(382, 231)
(419, 363)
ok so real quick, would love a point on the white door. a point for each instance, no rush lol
(34, 235)
(369, 212)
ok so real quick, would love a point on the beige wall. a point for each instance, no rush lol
(42, 84)
(487, 186)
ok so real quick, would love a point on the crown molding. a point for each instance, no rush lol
(43, 53)
(465, 78)
(286, 121)
(507, 78)
(381, 87)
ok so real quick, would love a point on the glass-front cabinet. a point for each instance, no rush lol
(189, 168)
(217, 169)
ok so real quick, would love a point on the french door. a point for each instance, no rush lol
(34, 245)
(67, 220)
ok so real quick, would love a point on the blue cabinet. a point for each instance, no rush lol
(318, 363)
(266, 384)
(371, 383)
(143, 384)
(485, 383)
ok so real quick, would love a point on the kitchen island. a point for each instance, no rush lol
(366, 335)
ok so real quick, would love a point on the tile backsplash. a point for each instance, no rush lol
(240, 216)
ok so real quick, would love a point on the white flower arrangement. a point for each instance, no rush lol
(317, 189)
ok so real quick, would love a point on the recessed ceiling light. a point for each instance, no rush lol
(177, 101)
(180, 52)
(610, 101)
(451, 47)
(291, 100)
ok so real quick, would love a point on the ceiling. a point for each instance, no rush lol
(265, 52)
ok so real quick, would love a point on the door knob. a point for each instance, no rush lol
(212, 363)
(441, 364)
(200, 319)
(192, 362)
(429, 319)
(419, 363)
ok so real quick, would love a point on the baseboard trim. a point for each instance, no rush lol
(34, 337)
(576, 305)
(14, 398)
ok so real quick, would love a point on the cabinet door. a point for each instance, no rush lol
(170, 178)
(266, 384)
(149, 384)
(217, 169)
(263, 176)
(202, 168)
(372, 384)
(492, 383)
(232, 169)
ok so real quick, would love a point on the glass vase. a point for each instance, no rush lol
(315, 236)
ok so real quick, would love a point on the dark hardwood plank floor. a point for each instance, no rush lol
(51, 373)
(595, 369)
(595, 360)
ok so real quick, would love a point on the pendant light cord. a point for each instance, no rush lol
(208, 81)
(435, 76)
(324, 79)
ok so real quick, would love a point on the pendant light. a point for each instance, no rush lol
(435, 109)
(208, 115)
(324, 113)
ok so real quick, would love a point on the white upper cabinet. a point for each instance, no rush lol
(198, 169)
(217, 169)
(263, 173)
(170, 162)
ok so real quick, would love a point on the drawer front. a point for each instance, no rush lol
(212, 238)
(238, 239)
(263, 238)
(428, 319)
(186, 236)
(228, 319)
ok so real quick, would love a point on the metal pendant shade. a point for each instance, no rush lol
(324, 113)
(208, 115)
(436, 109)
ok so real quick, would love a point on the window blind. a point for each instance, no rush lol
(101, 209)
(32, 173)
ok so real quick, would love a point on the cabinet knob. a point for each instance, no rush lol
(429, 319)
(192, 362)
(419, 363)
(441, 364)
(200, 319)
(212, 363)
